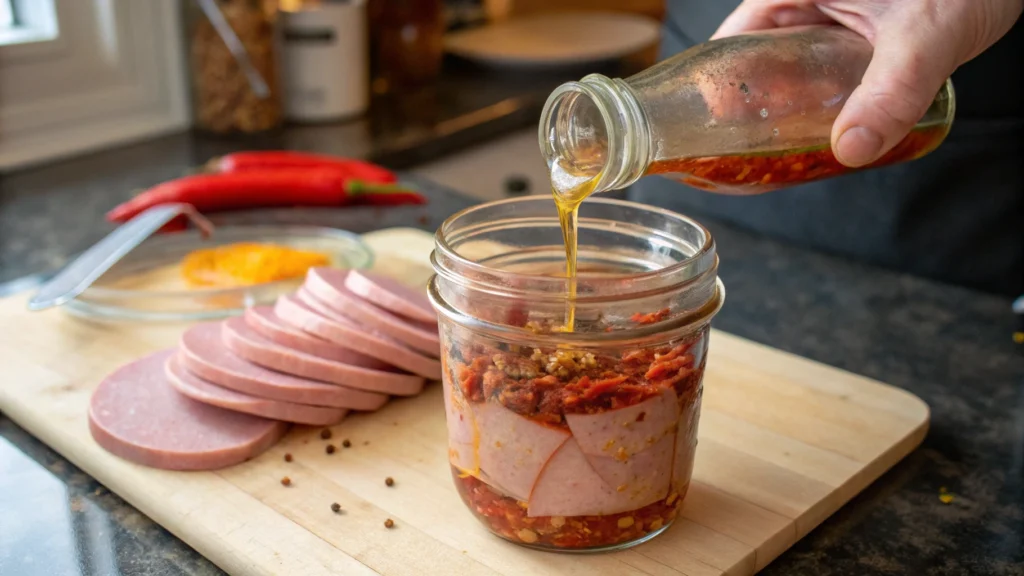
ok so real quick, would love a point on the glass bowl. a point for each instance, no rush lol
(147, 285)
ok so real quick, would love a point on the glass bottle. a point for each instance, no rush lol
(407, 43)
(739, 115)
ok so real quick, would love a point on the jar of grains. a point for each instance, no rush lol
(224, 100)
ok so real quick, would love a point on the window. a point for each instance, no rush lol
(24, 21)
(77, 75)
(6, 14)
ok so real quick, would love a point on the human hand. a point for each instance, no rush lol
(918, 44)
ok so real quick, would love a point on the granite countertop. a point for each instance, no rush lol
(948, 345)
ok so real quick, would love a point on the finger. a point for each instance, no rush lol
(755, 15)
(906, 72)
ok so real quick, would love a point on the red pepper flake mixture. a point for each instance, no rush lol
(326, 433)
(650, 318)
(389, 523)
(768, 171)
(389, 481)
(346, 443)
(329, 449)
(336, 508)
(508, 518)
(547, 384)
(288, 457)
(286, 481)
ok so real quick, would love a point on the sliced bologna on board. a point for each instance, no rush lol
(512, 449)
(306, 312)
(328, 286)
(392, 295)
(202, 391)
(247, 343)
(136, 414)
(263, 320)
(203, 352)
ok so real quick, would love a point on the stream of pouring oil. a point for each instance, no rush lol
(569, 190)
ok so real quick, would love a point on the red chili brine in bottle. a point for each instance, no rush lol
(739, 115)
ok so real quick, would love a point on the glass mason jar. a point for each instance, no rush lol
(223, 101)
(584, 440)
(739, 115)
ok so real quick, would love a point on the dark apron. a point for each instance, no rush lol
(956, 215)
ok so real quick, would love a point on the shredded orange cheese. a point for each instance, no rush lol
(247, 263)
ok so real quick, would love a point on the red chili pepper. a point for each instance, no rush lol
(279, 159)
(361, 192)
(265, 189)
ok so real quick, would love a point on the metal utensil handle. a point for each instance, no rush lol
(235, 46)
(84, 270)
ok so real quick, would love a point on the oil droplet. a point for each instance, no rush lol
(764, 112)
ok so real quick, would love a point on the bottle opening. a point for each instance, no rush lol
(574, 138)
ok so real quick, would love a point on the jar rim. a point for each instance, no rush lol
(441, 241)
(699, 266)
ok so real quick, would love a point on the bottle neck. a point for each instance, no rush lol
(595, 131)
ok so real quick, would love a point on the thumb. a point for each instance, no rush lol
(906, 72)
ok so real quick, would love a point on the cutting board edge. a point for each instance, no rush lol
(225, 558)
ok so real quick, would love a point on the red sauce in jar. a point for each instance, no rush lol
(546, 385)
(762, 172)
(507, 517)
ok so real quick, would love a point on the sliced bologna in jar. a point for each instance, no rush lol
(686, 445)
(306, 312)
(247, 343)
(626, 431)
(328, 285)
(202, 391)
(463, 438)
(569, 486)
(513, 449)
(392, 295)
(136, 414)
(644, 476)
(263, 320)
(203, 352)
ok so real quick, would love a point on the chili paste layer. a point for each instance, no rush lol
(547, 384)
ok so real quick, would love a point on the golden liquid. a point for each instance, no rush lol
(569, 191)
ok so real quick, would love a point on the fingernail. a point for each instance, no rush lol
(858, 146)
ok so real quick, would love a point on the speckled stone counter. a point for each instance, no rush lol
(950, 346)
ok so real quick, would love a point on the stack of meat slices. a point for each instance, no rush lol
(347, 340)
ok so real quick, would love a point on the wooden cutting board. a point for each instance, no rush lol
(784, 442)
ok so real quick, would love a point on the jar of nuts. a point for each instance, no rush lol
(223, 98)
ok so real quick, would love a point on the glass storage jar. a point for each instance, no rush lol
(223, 100)
(739, 115)
(584, 440)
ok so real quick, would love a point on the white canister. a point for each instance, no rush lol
(325, 58)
